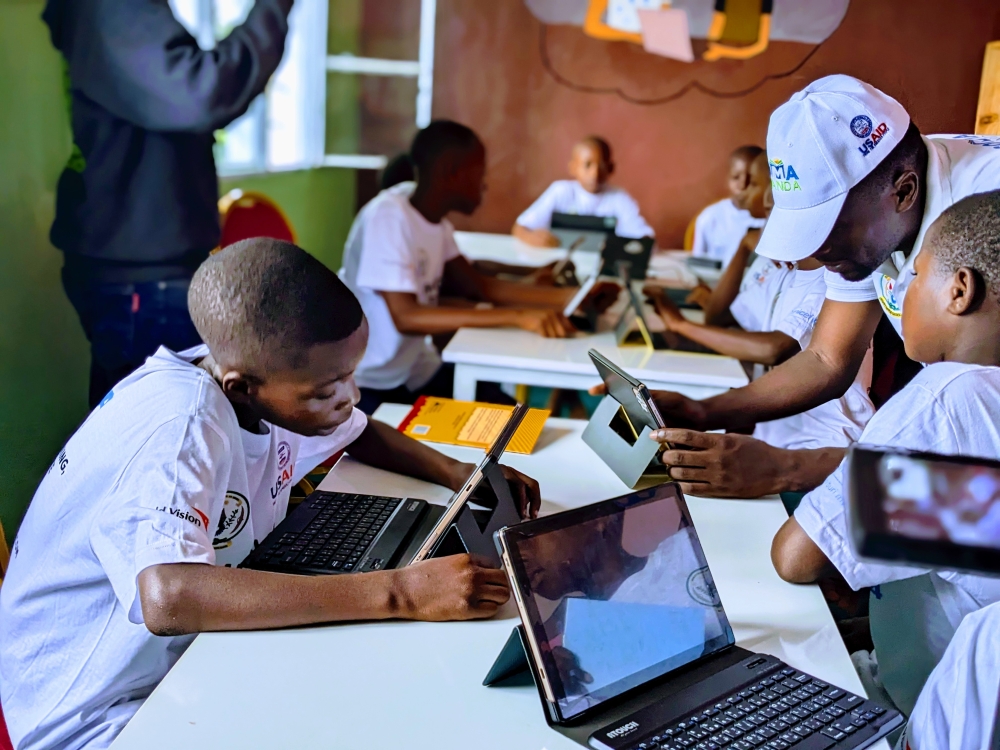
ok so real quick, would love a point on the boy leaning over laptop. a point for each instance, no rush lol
(130, 544)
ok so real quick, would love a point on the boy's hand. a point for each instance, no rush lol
(457, 587)
(604, 295)
(665, 308)
(700, 295)
(525, 491)
(551, 324)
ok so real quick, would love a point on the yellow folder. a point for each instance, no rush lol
(444, 420)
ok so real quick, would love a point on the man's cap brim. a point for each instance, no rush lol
(792, 235)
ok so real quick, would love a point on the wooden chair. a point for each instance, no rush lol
(245, 214)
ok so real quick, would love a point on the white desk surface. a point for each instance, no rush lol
(666, 265)
(524, 350)
(419, 685)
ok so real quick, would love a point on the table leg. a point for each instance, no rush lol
(464, 387)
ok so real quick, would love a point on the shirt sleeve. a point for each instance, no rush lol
(386, 262)
(745, 309)
(801, 320)
(539, 214)
(914, 420)
(159, 509)
(840, 289)
(138, 62)
(312, 451)
(630, 221)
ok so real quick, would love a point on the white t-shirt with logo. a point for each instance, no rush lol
(774, 298)
(569, 197)
(957, 166)
(393, 248)
(720, 228)
(159, 473)
(948, 408)
(956, 708)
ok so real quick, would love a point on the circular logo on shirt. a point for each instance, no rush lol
(701, 588)
(884, 286)
(284, 454)
(235, 514)
(861, 126)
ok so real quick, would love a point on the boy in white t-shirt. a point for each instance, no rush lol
(720, 227)
(950, 321)
(957, 707)
(587, 194)
(130, 545)
(402, 262)
(764, 317)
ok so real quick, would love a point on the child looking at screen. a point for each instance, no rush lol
(765, 317)
(950, 320)
(130, 545)
(720, 227)
(402, 262)
(587, 194)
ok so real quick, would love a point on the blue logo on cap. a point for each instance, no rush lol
(861, 126)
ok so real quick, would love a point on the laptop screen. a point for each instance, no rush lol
(618, 594)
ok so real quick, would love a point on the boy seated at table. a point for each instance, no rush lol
(766, 316)
(402, 262)
(130, 545)
(950, 320)
(720, 227)
(587, 193)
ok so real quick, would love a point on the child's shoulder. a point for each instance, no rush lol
(717, 210)
(955, 377)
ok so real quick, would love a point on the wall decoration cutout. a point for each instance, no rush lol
(733, 29)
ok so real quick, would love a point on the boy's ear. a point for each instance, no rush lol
(968, 290)
(236, 386)
(611, 168)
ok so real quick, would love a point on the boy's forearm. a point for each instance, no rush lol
(183, 598)
(384, 447)
(512, 294)
(422, 320)
(728, 287)
(766, 348)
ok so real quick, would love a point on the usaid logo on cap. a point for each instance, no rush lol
(861, 126)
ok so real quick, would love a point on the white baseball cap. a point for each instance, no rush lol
(821, 143)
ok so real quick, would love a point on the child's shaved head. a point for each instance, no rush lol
(591, 163)
(261, 303)
(746, 154)
(968, 234)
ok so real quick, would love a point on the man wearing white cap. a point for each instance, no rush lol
(856, 187)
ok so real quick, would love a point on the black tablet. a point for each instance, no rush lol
(925, 509)
(612, 596)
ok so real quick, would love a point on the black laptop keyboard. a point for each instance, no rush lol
(336, 539)
(782, 711)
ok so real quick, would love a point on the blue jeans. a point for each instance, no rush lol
(127, 322)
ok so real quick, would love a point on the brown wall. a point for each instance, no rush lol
(671, 157)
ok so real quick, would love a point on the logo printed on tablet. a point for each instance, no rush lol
(633, 248)
(701, 588)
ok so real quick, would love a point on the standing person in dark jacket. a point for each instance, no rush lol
(136, 206)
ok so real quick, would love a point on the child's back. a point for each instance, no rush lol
(776, 298)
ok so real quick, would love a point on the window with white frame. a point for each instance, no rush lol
(335, 100)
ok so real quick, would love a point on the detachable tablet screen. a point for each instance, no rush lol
(942, 511)
(617, 594)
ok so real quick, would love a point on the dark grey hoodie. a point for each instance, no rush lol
(145, 103)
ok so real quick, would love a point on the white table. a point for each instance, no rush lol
(418, 685)
(507, 355)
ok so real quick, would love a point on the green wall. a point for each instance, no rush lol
(44, 357)
(319, 204)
